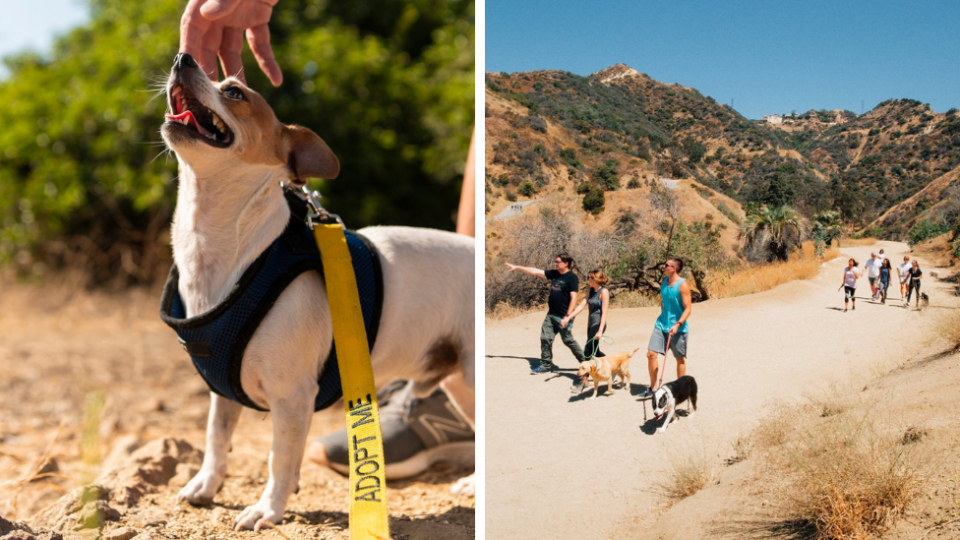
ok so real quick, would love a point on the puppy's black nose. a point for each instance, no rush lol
(183, 60)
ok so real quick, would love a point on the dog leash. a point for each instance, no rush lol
(368, 494)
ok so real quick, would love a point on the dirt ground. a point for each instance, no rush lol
(576, 467)
(87, 379)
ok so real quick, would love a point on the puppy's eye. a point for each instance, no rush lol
(232, 92)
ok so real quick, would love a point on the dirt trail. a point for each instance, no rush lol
(62, 352)
(563, 466)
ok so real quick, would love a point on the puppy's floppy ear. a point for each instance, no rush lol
(307, 155)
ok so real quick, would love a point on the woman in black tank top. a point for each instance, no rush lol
(598, 300)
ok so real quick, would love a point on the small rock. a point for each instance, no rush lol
(151, 517)
(10, 526)
(185, 472)
(18, 535)
(95, 513)
(123, 533)
(49, 466)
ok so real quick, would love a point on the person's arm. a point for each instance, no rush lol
(535, 272)
(583, 303)
(573, 302)
(687, 307)
(466, 224)
(604, 302)
(211, 28)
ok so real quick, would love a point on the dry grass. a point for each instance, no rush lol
(634, 299)
(853, 242)
(691, 472)
(504, 310)
(845, 477)
(753, 279)
(948, 328)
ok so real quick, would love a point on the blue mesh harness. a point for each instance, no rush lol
(216, 340)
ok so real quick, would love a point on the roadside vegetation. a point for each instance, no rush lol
(841, 472)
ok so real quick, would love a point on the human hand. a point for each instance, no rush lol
(211, 28)
(674, 328)
(564, 321)
(598, 336)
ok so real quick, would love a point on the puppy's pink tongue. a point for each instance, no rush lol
(186, 118)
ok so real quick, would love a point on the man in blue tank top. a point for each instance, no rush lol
(672, 322)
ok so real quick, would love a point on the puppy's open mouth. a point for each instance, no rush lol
(199, 120)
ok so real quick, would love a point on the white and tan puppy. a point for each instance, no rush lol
(604, 368)
(233, 153)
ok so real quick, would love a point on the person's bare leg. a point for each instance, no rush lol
(653, 366)
(681, 367)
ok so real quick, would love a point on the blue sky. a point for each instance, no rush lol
(765, 56)
(33, 24)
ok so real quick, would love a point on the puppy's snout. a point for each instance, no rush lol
(183, 60)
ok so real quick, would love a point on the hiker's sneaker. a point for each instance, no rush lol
(647, 393)
(578, 386)
(543, 368)
(416, 434)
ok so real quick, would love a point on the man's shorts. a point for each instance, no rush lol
(873, 281)
(678, 343)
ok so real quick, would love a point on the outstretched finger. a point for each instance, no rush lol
(217, 9)
(208, 54)
(230, 49)
(259, 39)
(193, 28)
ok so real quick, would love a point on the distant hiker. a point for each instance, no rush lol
(885, 271)
(904, 276)
(873, 273)
(914, 275)
(672, 322)
(882, 256)
(563, 296)
(598, 299)
(850, 275)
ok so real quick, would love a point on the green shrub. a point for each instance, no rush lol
(925, 230)
(526, 189)
(594, 200)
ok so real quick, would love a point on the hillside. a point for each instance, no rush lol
(555, 132)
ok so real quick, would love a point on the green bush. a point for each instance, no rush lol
(925, 230)
(526, 188)
(83, 177)
(594, 200)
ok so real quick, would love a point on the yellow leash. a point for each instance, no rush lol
(368, 485)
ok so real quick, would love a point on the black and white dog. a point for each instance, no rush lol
(671, 394)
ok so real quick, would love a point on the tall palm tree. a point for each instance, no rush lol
(776, 230)
(828, 226)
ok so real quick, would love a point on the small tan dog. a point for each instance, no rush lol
(605, 368)
(233, 153)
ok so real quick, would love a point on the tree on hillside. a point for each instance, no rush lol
(827, 227)
(773, 233)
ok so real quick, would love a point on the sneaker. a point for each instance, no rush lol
(647, 393)
(544, 367)
(578, 386)
(416, 434)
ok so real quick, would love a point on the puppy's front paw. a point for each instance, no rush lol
(255, 517)
(202, 488)
(465, 486)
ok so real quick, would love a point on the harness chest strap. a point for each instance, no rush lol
(368, 502)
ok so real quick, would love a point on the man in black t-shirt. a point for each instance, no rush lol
(563, 298)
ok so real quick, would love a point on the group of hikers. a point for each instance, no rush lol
(879, 272)
(670, 328)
